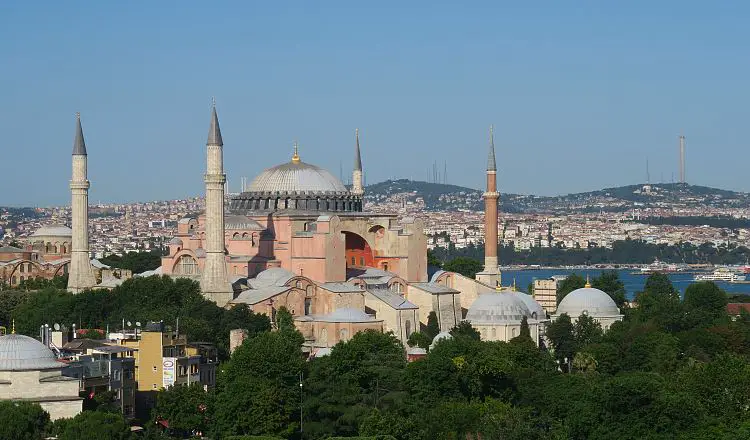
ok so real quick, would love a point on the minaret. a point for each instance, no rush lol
(214, 281)
(491, 273)
(357, 188)
(80, 276)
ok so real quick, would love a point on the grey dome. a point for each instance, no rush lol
(347, 315)
(439, 337)
(536, 310)
(22, 353)
(296, 176)
(176, 240)
(589, 301)
(497, 308)
(53, 231)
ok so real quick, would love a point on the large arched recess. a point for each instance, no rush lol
(358, 251)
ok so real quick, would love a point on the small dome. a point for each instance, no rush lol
(200, 253)
(589, 301)
(416, 351)
(439, 337)
(53, 231)
(241, 222)
(22, 353)
(497, 308)
(536, 310)
(325, 351)
(347, 315)
(176, 241)
(296, 176)
(275, 276)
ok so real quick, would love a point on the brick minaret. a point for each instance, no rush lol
(491, 273)
(80, 276)
(214, 281)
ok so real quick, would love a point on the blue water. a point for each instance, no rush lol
(633, 283)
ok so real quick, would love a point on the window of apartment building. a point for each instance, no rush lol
(116, 374)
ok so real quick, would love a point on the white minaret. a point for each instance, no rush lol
(357, 188)
(214, 281)
(80, 276)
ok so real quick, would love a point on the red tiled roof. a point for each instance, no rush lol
(734, 308)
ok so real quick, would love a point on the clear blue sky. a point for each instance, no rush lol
(581, 93)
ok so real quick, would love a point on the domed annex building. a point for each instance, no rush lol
(46, 255)
(591, 302)
(29, 371)
(498, 316)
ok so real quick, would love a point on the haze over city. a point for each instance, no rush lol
(580, 96)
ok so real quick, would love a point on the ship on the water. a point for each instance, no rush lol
(721, 274)
(660, 267)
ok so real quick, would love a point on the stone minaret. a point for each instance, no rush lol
(357, 188)
(80, 276)
(214, 281)
(491, 273)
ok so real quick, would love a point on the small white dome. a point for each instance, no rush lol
(589, 301)
(497, 308)
(439, 337)
(22, 353)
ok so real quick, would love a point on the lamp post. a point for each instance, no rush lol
(300, 403)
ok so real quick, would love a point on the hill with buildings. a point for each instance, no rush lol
(443, 197)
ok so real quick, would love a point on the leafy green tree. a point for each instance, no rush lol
(433, 327)
(561, 334)
(285, 320)
(432, 260)
(467, 267)
(569, 284)
(9, 301)
(704, 304)
(659, 302)
(95, 425)
(22, 421)
(185, 407)
(586, 331)
(609, 282)
(378, 424)
(525, 330)
(137, 262)
(419, 339)
(465, 329)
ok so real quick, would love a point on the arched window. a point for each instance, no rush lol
(54, 249)
(186, 265)
(513, 332)
(494, 333)
(235, 236)
(408, 328)
(23, 269)
(344, 334)
(273, 315)
(308, 306)
(13, 280)
(29, 267)
(47, 248)
(385, 266)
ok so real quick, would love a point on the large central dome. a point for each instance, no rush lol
(296, 176)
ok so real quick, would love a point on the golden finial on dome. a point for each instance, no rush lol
(588, 282)
(514, 284)
(295, 156)
(13, 328)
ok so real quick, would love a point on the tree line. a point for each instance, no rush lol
(622, 252)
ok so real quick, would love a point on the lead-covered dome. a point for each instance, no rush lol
(588, 301)
(53, 231)
(497, 308)
(22, 353)
(296, 176)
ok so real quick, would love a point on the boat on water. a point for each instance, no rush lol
(660, 267)
(720, 274)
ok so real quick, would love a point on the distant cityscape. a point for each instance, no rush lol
(454, 215)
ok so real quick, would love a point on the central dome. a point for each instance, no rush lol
(296, 176)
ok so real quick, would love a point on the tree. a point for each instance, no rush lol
(433, 260)
(569, 284)
(659, 302)
(465, 329)
(419, 339)
(525, 330)
(284, 320)
(433, 327)
(185, 407)
(586, 331)
(704, 303)
(609, 282)
(95, 425)
(467, 267)
(561, 335)
(22, 421)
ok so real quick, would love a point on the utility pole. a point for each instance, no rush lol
(300, 403)
(682, 158)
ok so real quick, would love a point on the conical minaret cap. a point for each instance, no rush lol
(79, 145)
(491, 165)
(214, 132)
(357, 155)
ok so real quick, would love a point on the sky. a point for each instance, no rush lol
(581, 93)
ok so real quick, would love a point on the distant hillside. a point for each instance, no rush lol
(438, 196)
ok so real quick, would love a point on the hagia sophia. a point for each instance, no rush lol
(298, 238)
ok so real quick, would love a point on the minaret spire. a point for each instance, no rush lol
(80, 276)
(358, 188)
(491, 273)
(214, 279)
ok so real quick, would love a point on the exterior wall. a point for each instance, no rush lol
(328, 334)
(506, 332)
(447, 307)
(470, 289)
(545, 293)
(421, 299)
(55, 393)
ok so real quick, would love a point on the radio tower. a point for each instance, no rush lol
(682, 158)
